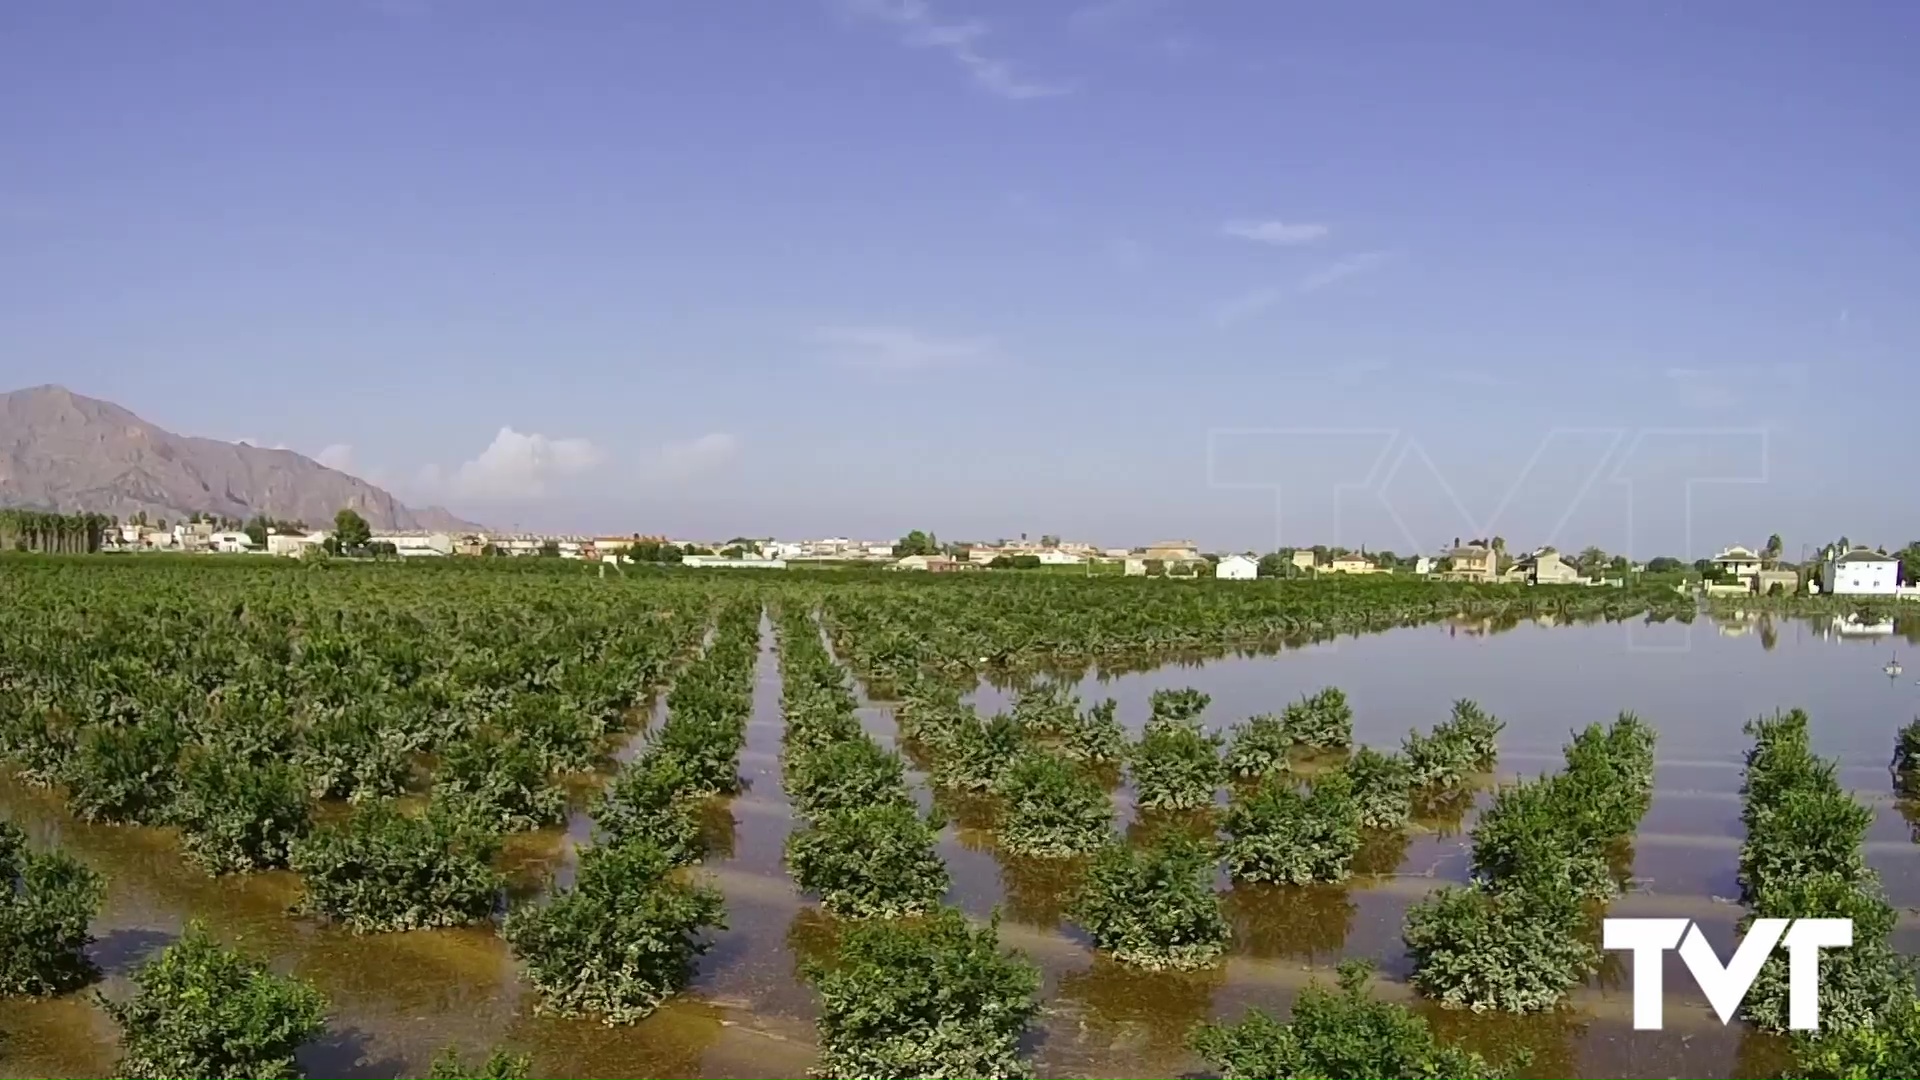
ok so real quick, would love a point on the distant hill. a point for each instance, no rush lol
(61, 451)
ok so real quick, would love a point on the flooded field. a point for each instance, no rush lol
(398, 997)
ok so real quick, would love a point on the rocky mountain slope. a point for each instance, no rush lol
(62, 451)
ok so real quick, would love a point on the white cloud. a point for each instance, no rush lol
(1342, 269)
(1278, 233)
(894, 348)
(521, 466)
(695, 457)
(921, 28)
(337, 456)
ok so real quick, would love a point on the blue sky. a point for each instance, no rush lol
(1116, 270)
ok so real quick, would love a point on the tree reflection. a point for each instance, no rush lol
(971, 815)
(1308, 922)
(1444, 810)
(1149, 825)
(1038, 891)
(1381, 853)
(1137, 1010)
(717, 827)
(813, 936)
(1535, 1045)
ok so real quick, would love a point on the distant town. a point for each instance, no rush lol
(1839, 568)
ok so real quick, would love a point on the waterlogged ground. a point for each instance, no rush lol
(396, 998)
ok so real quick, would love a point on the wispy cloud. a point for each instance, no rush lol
(337, 456)
(680, 461)
(1343, 268)
(920, 27)
(895, 348)
(1278, 233)
(1100, 15)
(1247, 305)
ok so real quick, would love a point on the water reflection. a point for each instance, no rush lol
(1038, 891)
(1444, 811)
(971, 815)
(1381, 853)
(1289, 921)
(1547, 1043)
(1130, 1014)
(1150, 825)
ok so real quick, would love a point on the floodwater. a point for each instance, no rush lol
(397, 998)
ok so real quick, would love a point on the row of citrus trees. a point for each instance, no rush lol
(446, 712)
(897, 631)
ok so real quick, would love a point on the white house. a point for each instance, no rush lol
(1738, 562)
(231, 543)
(722, 562)
(1056, 557)
(413, 544)
(1423, 566)
(1860, 572)
(292, 545)
(1236, 568)
(1135, 567)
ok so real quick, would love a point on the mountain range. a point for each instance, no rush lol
(62, 451)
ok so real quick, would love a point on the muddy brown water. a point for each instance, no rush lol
(397, 998)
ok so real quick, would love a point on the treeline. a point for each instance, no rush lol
(52, 534)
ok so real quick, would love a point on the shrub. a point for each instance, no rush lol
(1259, 747)
(621, 941)
(648, 800)
(977, 752)
(1153, 907)
(1051, 809)
(47, 901)
(235, 816)
(200, 1009)
(354, 755)
(499, 1065)
(1176, 708)
(875, 861)
(1382, 788)
(1045, 709)
(928, 998)
(706, 748)
(500, 781)
(1890, 1047)
(125, 775)
(1323, 721)
(1511, 951)
(1176, 767)
(1095, 736)
(1437, 760)
(1611, 771)
(382, 870)
(1335, 1035)
(1282, 834)
(1859, 984)
(1476, 730)
(1906, 759)
(1529, 838)
(1815, 830)
(844, 775)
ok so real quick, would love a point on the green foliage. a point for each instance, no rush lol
(1890, 1047)
(1529, 838)
(355, 754)
(500, 781)
(499, 1065)
(1802, 859)
(1906, 759)
(1153, 907)
(932, 998)
(202, 1010)
(1177, 767)
(1382, 788)
(47, 901)
(872, 861)
(844, 775)
(1279, 833)
(1176, 708)
(1045, 709)
(1095, 736)
(1336, 1035)
(1051, 809)
(1259, 746)
(619, 943)
(351, 531)
(648, 800)
(1476, 729)
(381, 870)
(1437, 760)
(125, 775)
(977, 752)
(235, 816)
(1479, 949)
(1322, 721)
